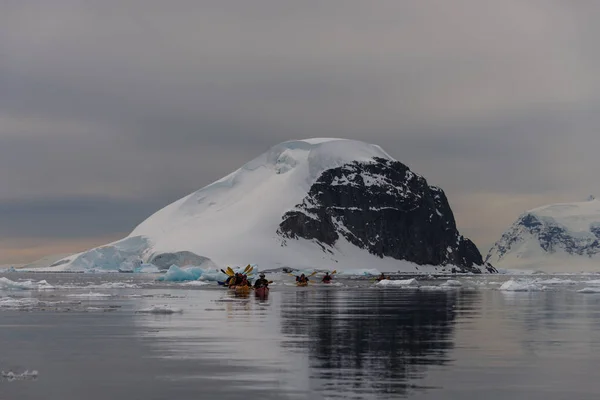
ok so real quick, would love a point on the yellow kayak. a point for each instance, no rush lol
(301, 284)
(240, 288)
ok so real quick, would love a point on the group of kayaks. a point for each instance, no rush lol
(303, 280)
(240, 284)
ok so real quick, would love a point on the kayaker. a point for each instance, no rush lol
(261, 282)
(381, 277)
(327, 278)
(245, 281)
(302, 279)
(237, 279)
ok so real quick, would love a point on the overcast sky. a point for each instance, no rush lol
(110, 110)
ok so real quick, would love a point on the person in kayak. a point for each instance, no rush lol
(245, 281)
(381, 277)
(302, 279)
(261, 282)
(230, 280)
(327, 278)
(237, 279)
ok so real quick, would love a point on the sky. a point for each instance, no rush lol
(111, 110)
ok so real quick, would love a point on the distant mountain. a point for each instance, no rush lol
(556, 237)
(315, 203)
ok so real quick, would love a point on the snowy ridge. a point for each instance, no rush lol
(235, 220)
(556, 237)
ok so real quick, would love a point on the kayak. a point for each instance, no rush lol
(301, 284)
(262, 291)
(240, 289)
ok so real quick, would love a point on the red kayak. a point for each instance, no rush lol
(262, 291)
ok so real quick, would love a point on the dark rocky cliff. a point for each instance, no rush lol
(386, 209)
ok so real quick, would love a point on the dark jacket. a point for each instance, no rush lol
(260, 282)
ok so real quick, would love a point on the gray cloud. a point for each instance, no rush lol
(124, 107)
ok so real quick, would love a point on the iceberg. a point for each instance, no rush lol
(177, 274)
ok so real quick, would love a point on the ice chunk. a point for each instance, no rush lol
(195, 283)
(27, 375)
(89, 295)
(589, 290)
(406, 282)
(113, 285)
(10, 302)
(176, 274)
(556, 281)
(7, 284)
(160, 310)
(147, 269)
(452, 283)
(520, 286)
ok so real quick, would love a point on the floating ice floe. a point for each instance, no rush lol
(520, 286)
(555, 281)
(27, 375)
(112, 285)
(451, 283)
(12, 303)
(160, 310)
(7, 284)
(401, 282)
(589, 290)
(195, 283)
(89, 295)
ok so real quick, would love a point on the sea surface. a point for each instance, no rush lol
(127, 336)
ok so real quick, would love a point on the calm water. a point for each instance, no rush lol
(352, 341)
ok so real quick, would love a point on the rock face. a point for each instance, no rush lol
(386, 209)
(559, 237)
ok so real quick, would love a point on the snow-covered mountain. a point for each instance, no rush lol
(553, 238)
(315, 203)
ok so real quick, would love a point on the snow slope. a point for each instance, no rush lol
(561, 237)
(234, 220)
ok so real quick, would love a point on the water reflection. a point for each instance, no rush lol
(370, 341)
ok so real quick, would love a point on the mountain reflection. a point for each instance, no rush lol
(370, 341)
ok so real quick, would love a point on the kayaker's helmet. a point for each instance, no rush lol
(262, 275)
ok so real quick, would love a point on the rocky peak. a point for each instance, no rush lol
(385, 208)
